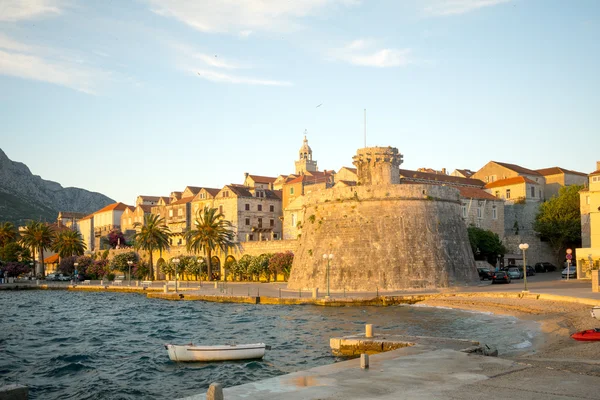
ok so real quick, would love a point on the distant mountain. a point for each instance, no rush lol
(26, 196)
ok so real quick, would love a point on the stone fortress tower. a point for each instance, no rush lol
(382, 234)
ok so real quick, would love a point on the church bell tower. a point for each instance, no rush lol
(305, 162)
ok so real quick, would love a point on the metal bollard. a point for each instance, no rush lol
(369, 330)
(166, 288)
(300, 293)
(215, 392)
(279, 292)
(315, 293)
(364, 361)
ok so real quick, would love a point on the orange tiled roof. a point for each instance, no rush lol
(262, 179)
(439, 178)
(475, 193)
(595, 173)
(149, 198)
(51, 260)
(146, 207)
(558, 170)
(509, 181)
(182, 201)
(113, 207)
(350, 169)
(466, 172)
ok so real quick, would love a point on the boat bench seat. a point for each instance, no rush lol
(117, 282)
(146, 283)
(87, 282)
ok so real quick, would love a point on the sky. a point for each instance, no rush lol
(130, 97)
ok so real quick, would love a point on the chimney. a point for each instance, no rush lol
(597, 165)
(444, 171)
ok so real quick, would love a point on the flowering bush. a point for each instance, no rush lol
(14, 269)
(67, 266)
(98, 270)
(119, 262)
(281, 263)
(115, 238)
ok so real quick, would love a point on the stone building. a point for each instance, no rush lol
(383, 235)
(557, 177)
(147, 200)
(133, 216)
(69, 219)
(589, 200)
(98, 224)
(462, 173)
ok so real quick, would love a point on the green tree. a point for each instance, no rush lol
(559, 220)
(153, 235)
(8, 233)
(193, 266)
(119, 262)
(242, 266)
(211, 232)
(260, 266)
(14, 252)
(68, 243)
(486, 245)
(38, 236)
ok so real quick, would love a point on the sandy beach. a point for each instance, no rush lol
(554, 348)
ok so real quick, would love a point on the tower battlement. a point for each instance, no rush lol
(377, 165)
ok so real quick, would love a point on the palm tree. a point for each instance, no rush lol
(37, 236)
(68, 243)
(212, 232)
(8, 233)
(153, 235)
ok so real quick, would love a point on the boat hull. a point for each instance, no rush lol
(591, 335)
(596, 312)
(190, 353)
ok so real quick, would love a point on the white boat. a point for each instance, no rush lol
(596, 312)
(190, 352)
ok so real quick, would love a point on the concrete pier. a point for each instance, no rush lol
(419, 373)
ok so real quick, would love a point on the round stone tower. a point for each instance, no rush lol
(377, 165)
(382, 235)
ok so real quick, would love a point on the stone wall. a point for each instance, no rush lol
(518, 228)
(386, 237)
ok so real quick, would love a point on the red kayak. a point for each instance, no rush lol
(590, 335)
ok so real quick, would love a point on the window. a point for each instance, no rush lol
(532, 191)
(293, 219)
(250, 237)
(595, 179)
(479, 212)
(247, 221)
(202, 195)
(180, 212)
(271, 222)
(247, 207)
(274, 236)
(508, 193)
(292, 189)
(259, 208)
(540, 193)
(260, 222)
(487, 179)
(497, 194)
(272, 208)
(464, 211)
(493, 178)
(494, 213)
(170, 213)
(221, 209)
(129, 221)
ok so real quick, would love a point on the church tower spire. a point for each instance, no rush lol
(305, 161)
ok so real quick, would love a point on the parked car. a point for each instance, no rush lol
(51, 277)
(571, 271)
(485, 273)
(545, 267)
(501, 277)
(63, 278)
(515, 273)
(530, 270)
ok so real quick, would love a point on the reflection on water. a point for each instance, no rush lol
(73, 345)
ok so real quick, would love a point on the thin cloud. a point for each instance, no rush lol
(362, 52)
(457, 7)
(188, 54)
(16, 10)
(30, 62)
(221, 77)
(243, 17)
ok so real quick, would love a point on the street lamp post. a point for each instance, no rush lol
(176, 262)
(327, 257)
(524, 247)
(130, 263)
(75, 272)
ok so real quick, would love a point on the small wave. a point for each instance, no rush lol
(523, 345)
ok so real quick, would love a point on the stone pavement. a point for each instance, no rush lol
(421, 373)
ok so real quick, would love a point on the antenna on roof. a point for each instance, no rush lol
(365, 127)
